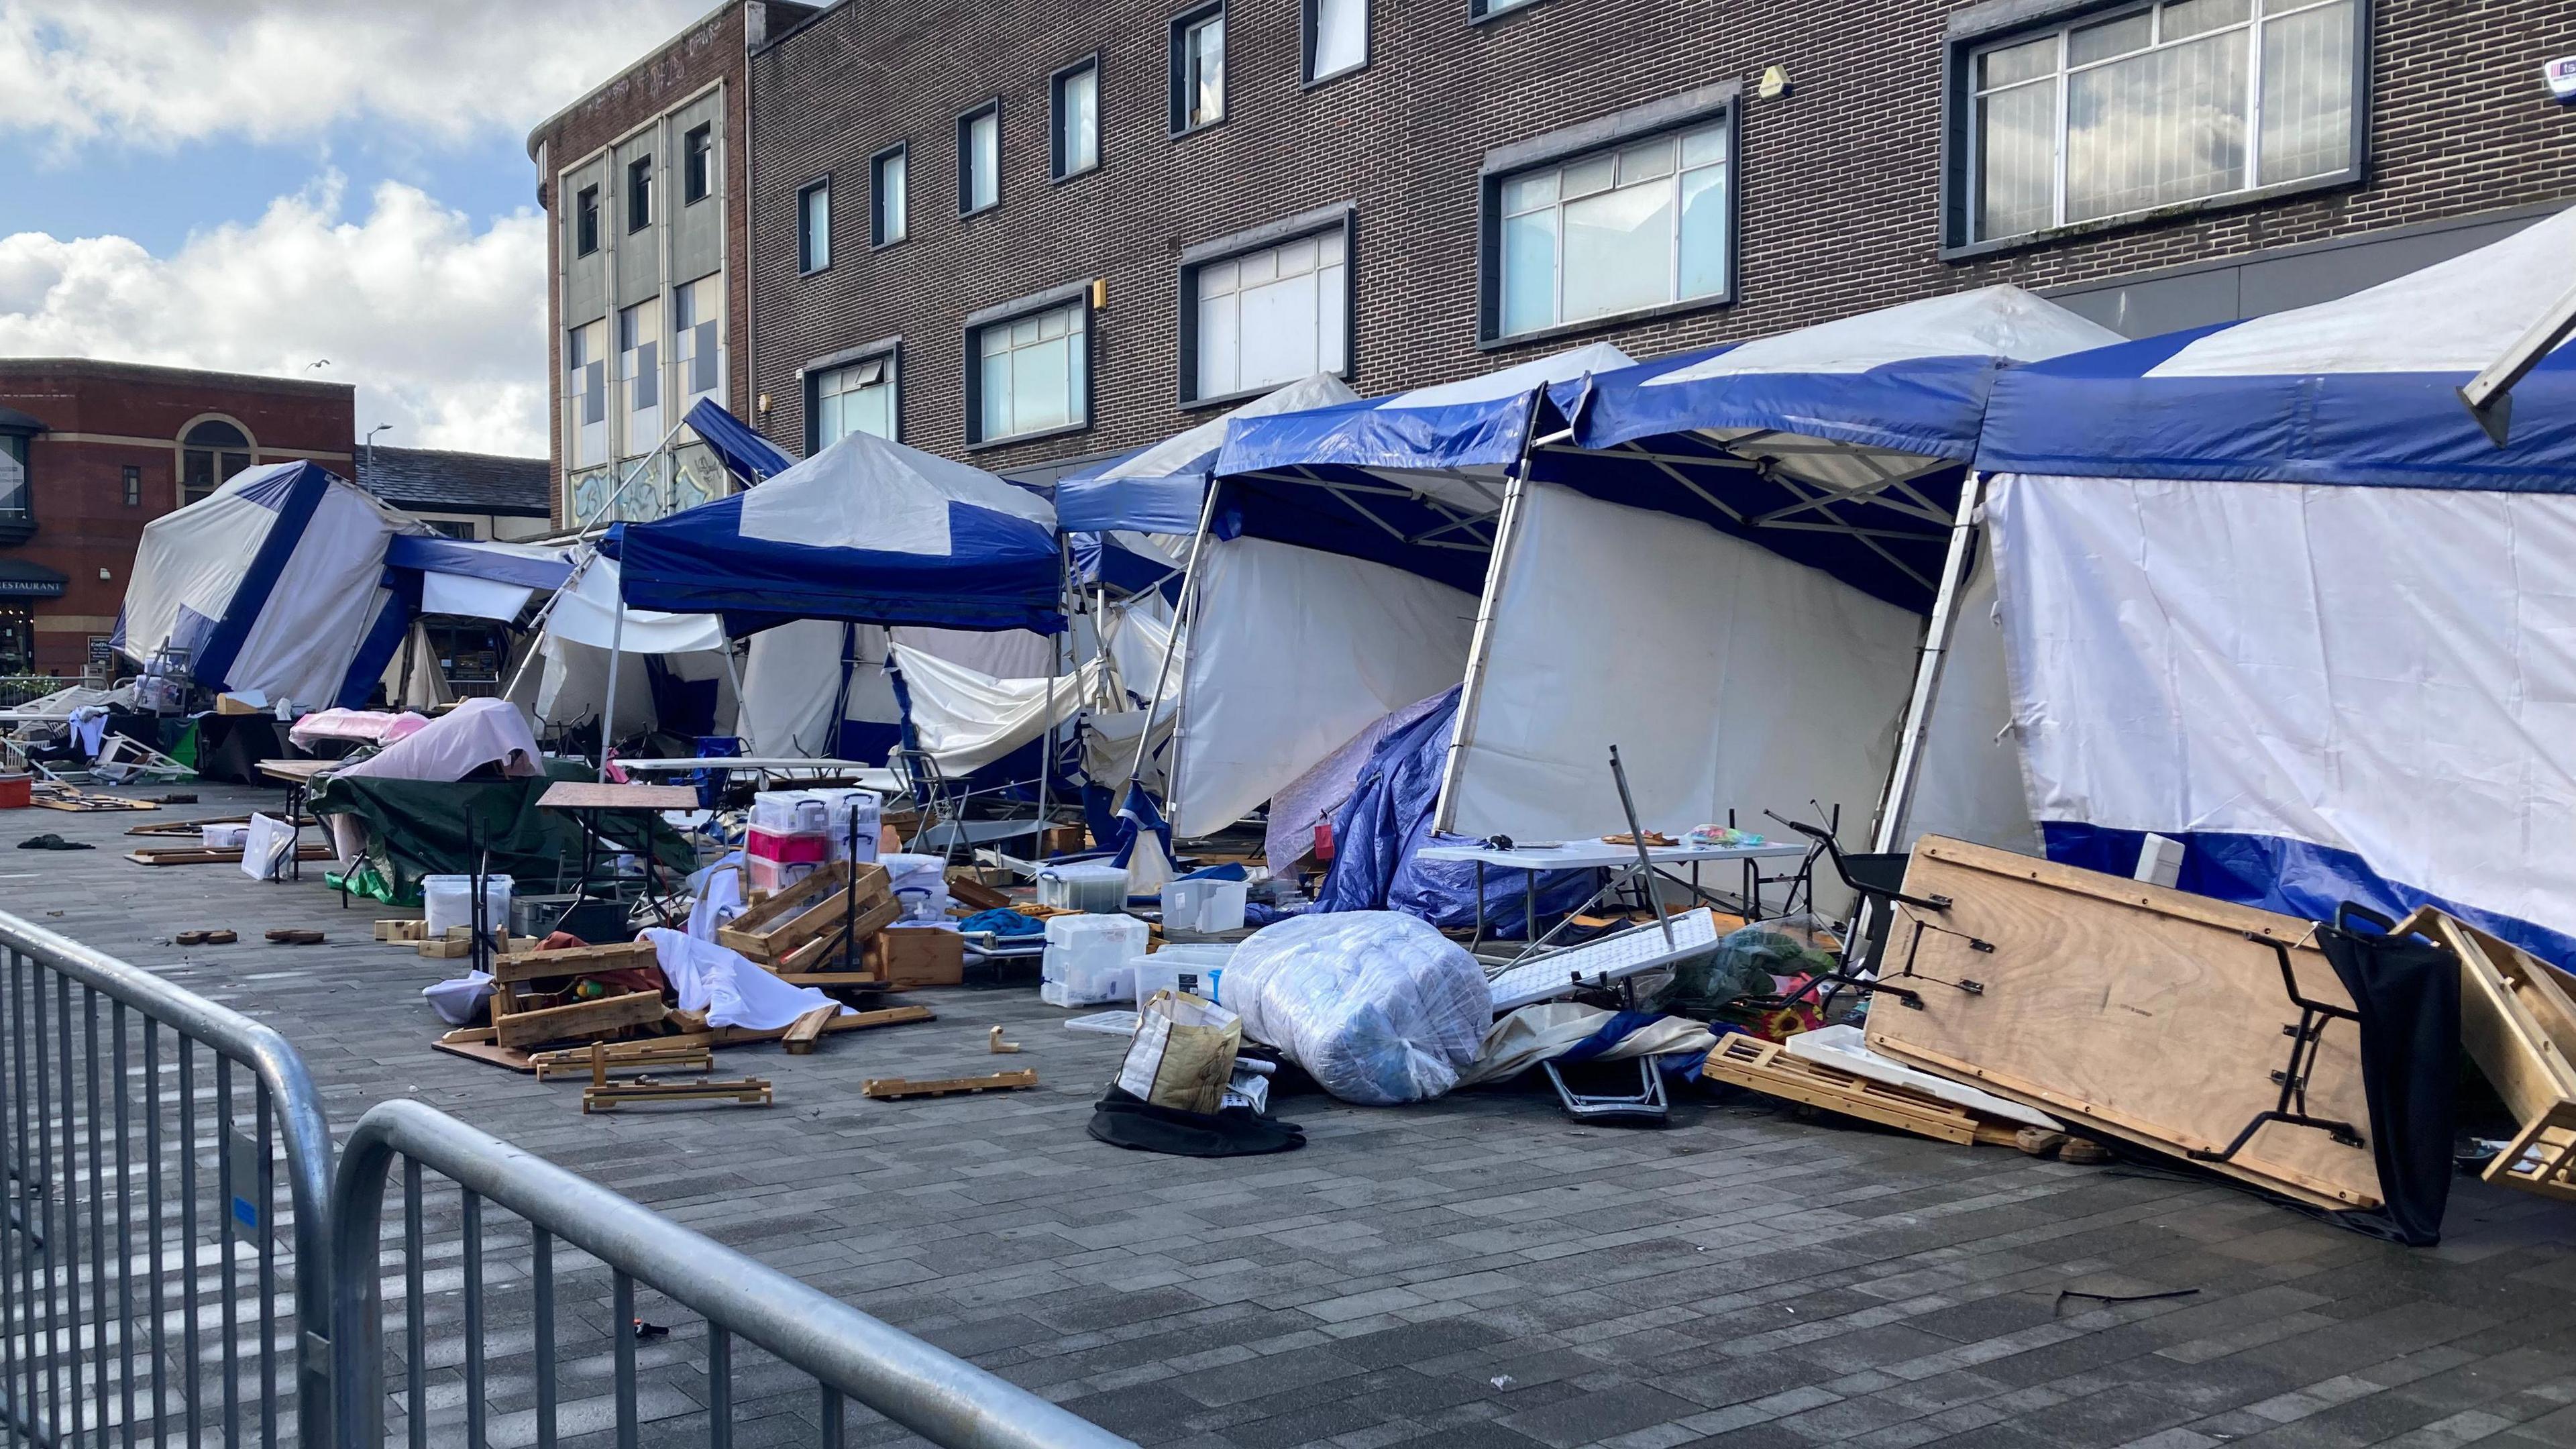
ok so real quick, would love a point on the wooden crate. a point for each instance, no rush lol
(520, 966)
(2518, 1023)
(1769, 1068)
(525, 1029)
(772, 929)
(927, 956)
(2125, 1008)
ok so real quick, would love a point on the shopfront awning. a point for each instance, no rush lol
(26, 579)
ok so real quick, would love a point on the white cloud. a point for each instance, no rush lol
(155, 73)
(441, 327)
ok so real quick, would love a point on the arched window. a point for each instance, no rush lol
(210, 452)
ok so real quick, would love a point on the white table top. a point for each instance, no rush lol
(1596, 855)
(873, 777)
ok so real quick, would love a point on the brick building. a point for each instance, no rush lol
(96, 450)
(1133, 212)
(643, 179)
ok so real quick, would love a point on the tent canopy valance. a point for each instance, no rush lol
(866, 531)
(744, 452)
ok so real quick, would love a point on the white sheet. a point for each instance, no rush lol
(2381, 670)
(967, 719)
(586, 613)
(1000, 653)
(794, 674)
(726, 985)
(867, 492)
(1294, 652)
(573, 685)
(1729, 677)
(472, 598)
(476, 733)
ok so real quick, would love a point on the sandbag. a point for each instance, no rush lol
(1377, 1006)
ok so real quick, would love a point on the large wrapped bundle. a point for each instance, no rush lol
(1377, 1006)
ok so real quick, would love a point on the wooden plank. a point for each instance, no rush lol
(748, 932)
(1768, 1067)
(620, 1056)
(508, 1058)
(203, 855)
(974, 894)
(590, 795)
(749, 1091)
(822, 922)
(806, 1030)
(844, 980)
(573, 961)
(580, 1018)
(2518, 1023)
(2140, 1012)
(725, 1036)
(891, 1088)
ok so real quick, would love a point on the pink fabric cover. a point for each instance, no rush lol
(477, 732)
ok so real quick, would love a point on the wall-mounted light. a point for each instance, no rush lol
(763, 404)
(103, 575)
(1099, 293)
(1774, 83)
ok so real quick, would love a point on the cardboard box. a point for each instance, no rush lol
(226, 704)
(909, 956)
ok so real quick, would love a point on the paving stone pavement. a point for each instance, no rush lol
(1478, 1271)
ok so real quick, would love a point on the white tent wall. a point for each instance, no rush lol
(998, 653)
(428, 683)
(192, 559)
(1728, 676)
(300, 646)
(967, 719)
(1969, 785)
(794, 674)
(1292, 652)
(575, 685)
(2390, 672)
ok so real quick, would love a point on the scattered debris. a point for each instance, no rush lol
(2058, 1304)
(290, 936)
(1769, 1068)
(208, 855)
(53, 842)
(2039, 1141)
(205, 938)
(806, 1030)
(889, 1088)
(993, 1043)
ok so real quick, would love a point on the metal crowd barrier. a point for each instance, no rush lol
(150, 1287)
(155, 1289)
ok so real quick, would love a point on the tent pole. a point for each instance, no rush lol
(608, 710)
(1462, 730)
(589, 549)
(1899, 799)
(411, 656)
(733, 672)
(1055, 666)
(1172, 641)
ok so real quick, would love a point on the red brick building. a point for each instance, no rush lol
(92, 451)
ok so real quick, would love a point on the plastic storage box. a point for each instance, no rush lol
(1163, 970)
(1086, 885)
(837, 813)
(1087, 959)
(772, 876)
(448, 900)
(787, 846)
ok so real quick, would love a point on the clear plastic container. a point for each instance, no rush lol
(787, 845)
(1221, 908)
(759, 873)
(1084, 885)
(1087, 959)
(1203, 963)
(448, 900)
(789, 810)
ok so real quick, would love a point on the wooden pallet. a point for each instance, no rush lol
(2518, 1023)
(581, 1018)
(609, 1096)
(777, 925)
(533, 965)
(1770, 1068)
(890, 1088)
(203, 855)
(602, 1056)
(49, 796)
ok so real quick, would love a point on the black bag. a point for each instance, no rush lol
(2407, 992)
(1123, 1119)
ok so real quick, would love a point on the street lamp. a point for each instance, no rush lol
(371, 443)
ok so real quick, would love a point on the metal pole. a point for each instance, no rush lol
(733, 672)
(1899, 797)
(1645, 862)
(1462, 729)
(608, 708)
(1172, 641)
(1055, 666)
(590, 550)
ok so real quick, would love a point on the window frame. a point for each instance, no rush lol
(810, 384)
(1180, 26)
(697, 163)
(1480, 12)
(1720, 102)
(966, 120)
(1342, 216)
(19, 448)
(1972, 32)
(639, 194)
(1310, 28)
(131, 475)
(1003, 314)
(1056, 170)
(877, 239)
(585, 221)
(805, 266)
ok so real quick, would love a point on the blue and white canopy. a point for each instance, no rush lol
(866, 531)
(475, 580)
(746, 454)
(2363, 390)
(1160, 489)
(1838, 445)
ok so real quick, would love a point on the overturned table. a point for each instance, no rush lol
(1619, 860)
(588, 803)
(298, 777)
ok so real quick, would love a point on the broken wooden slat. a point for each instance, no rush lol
(750, 1091)
(2518, 1023)
(573, 961)
(890, 1088)
(580, 1018)
(209, 855)
(806, 1030)
(1769, 1068)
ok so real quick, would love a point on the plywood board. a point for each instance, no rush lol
(2140, 1012)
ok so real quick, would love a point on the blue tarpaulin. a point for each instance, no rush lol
(745, 453)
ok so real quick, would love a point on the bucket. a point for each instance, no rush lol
(17, 792)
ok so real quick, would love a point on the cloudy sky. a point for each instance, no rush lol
(261, 185)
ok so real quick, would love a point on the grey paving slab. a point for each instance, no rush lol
(1473, 1272)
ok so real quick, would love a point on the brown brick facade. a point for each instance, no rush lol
(1839, 180)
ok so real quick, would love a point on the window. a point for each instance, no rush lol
(1032, 373)
(814, 226)
(886, 197)
(697, 347)
(1336, 37)
(979, 158)
(1077, 120)
(1198, 69)
(1641, 226)
(1272, 316)
(859, 398)
(133, 486)
(639, 193)
(453, 528)
(697, 163)
(209, 453)
(17, 504)
(585, 222)
(639, 373)
(2182, 101)
(1482, 8)
(586, 392)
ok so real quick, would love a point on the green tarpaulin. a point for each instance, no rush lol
(417, 828)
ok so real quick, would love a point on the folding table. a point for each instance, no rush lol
(1619, 860)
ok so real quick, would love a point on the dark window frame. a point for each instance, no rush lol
(805, 266)
(1179, 27)
(132, 477)
(1055, 119)
(585, 221)
(1997, 22)
(19, 447)
(1343, 216)
(1002, 314)
(1690, 110)
(966, 162)
(877, 238)
(697, 163)
(809, 382)
(1481, 12)
(1309, 30)
(639, 194)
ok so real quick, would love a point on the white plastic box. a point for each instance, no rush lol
(448, 900)
(1084, 885)
(838, 812)
(1087, 959)
(1202, 962)
(1206, 906)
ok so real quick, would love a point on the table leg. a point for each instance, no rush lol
(1529, 907)
(1479, 943)
(295, 829)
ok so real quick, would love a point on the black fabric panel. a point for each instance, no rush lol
(1123, 1119)
(2407, 991)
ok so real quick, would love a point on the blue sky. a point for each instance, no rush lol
(254, 185)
